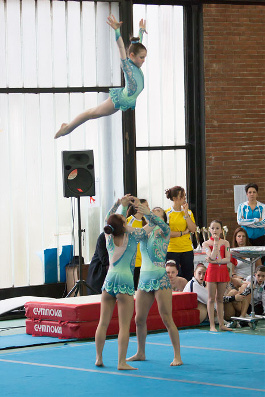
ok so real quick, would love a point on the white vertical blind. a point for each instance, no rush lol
(160, 111)
(49, 44)
(64, 44)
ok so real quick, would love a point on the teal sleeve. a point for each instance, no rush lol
(124, 211)
(117, 33)
(141, 33)
(112, 210)
(156, 221)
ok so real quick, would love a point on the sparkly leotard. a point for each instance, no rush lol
(125, 98)
(153, 274)
(119, 279)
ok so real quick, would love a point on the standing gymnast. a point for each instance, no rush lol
(120, 98)
(121, 242)
(154, 284)
(217, 275)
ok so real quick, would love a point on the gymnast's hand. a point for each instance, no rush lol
(112, 22)
(143, 209)
(126, 200)
(142, 25)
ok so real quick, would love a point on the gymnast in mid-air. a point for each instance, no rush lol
(119, 98)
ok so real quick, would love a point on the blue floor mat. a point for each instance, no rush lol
(25, 340)
(215, 364)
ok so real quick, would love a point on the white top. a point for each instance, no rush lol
(258, 292)
(200, 290)
(242, 269)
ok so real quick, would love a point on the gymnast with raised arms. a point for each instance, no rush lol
(119, 98)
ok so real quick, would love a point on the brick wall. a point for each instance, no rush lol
(234, 63)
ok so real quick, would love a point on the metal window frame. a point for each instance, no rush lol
(194, 105)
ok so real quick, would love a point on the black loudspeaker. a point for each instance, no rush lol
(78, 173)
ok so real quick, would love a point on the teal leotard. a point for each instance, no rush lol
(119, 279)
(125, 98)
(153, 274)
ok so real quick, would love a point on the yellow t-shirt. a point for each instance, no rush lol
(137, 223)
(177, 223)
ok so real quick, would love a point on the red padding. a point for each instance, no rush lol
(68, 320)
(180, 301)
(83, 330)
(63, 311)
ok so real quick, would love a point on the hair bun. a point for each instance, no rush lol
(135, 40)
(108, 229)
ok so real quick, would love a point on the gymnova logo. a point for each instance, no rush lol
(52, 329)
(40, 311)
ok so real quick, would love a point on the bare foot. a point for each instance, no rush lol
(136, 357)
(62, 131)
(213, 329)
(176, 362)
(224, 328)
(99, 362)
(125, 367)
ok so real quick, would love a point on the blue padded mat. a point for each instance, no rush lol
(215, 364)
(24, 340)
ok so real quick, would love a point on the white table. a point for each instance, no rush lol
(249, 255)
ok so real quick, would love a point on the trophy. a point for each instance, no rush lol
(197, 235)
(205, 234)
(225, 231)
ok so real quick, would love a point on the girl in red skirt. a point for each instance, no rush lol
(217, 275)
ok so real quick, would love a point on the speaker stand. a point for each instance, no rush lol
(80, 283)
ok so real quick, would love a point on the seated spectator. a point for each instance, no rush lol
(98, 267)
(177, 283)
(258, 291)
(198, 285)
(232, 298)
(240, 269)
(236, 301)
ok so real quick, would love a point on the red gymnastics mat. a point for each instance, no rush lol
(78, 317)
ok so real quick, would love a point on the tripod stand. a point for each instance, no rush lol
(80, 283)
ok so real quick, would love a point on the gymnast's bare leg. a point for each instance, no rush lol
(106, 108)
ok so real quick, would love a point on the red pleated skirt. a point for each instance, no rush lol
(217, 273)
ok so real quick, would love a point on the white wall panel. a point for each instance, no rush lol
(33, 185)
(74, 42)
(160, 111)
(13, 40)
(28, 39)
(18, 175)
(157, 171)
(59, 45)
(102, 44)
(88, 45)
(3, 63)
(6, 263)
(63, 44)
(48, 155)
(44, 44)
(50, 44)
